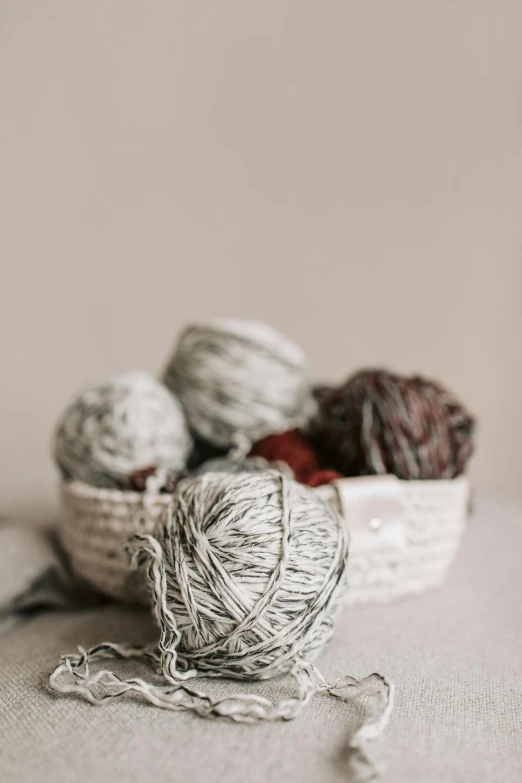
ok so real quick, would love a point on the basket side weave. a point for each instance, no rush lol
(95, 527)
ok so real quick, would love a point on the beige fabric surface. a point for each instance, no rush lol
(24, 558)
(455, 655)
(35, 576)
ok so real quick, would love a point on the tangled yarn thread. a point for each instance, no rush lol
(115, 428)
(380, 422)
(246, 579)
(239, 381)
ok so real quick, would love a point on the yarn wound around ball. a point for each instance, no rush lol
(246, 578)
(381, 422)
(115, 428)
(239, 381)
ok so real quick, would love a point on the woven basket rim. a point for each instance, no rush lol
(81, 489)
(427, 483)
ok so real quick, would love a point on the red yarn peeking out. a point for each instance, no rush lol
(321, 477)
(293, 448)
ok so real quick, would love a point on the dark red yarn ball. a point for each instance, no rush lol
(293, 448)
(381, 422)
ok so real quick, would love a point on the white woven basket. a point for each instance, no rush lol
(94, 528)
(404, 534)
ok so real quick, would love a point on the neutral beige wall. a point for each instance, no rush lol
(349, 171)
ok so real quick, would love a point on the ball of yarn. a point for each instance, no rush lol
(114, 428)
(381, 422)
(254, 571)
(239, 381)
(293, 449)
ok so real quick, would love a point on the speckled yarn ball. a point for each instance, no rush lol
(115, 428)
(381, 422)
(292, 448)
(239, 381)
(248, 575)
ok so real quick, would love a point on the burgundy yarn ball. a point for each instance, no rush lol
(381, 422)
(293, 448)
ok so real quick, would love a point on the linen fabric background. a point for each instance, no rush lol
(349, 172)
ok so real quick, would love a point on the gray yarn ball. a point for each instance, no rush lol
(247, 575)
(239, 381)
(114, 428)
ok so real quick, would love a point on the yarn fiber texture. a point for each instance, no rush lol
(254, 566)
(239, 381)
(115, 428)
(381, 422)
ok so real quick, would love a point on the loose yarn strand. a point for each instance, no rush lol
(241, 708)
(169, 636)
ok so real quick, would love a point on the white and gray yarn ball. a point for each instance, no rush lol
(114, 428)
(239, 381)
(247, 575)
